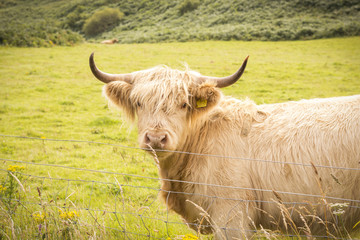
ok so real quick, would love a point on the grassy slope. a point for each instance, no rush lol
(24, 21)
(51, 93)
(240, 20)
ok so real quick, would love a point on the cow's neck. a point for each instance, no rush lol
(182, 172)
(179, 166)
(202, 138)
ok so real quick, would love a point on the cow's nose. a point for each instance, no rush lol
(156, 140)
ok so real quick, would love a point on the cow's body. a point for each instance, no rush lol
(266, 175)
(324, 132)
(109, 41)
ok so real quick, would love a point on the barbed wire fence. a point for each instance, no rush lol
(122, 204)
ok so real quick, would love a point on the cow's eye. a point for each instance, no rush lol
(138, 104)
(184, 106)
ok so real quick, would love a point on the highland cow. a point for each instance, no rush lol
(112, 41)
(251, 166)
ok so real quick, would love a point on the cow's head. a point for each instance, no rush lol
(164, 100)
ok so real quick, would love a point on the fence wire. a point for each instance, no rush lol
(131, 209)
(181, 152)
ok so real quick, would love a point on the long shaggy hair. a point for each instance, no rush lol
(270, 153)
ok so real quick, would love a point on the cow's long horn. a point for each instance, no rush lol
(106, 77)
(229, 80)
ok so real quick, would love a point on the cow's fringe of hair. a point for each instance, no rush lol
(171, 87)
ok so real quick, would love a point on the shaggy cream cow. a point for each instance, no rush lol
(283, 165)
(112, 41)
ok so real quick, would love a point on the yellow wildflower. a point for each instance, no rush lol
(15, 168)
(190, 237)
(68, 215)
(2, 188)
(42, 137)
(38, 217)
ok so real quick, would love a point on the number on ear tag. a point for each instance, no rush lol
(201, 103)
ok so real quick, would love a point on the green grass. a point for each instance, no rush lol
(51, 93)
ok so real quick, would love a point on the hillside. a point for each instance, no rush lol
(48, 22)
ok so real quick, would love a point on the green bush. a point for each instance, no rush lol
(76, 19)
(101, 21)
(188, 6)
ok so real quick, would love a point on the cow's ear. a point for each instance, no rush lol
(118, 93)
(204, 97)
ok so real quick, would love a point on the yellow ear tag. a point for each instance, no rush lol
(201, 103)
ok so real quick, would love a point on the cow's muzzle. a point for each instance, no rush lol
(156, 139)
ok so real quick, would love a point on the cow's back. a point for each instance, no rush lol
(320, 130)
(296, 135)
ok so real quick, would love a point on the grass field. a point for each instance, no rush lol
(50, 93)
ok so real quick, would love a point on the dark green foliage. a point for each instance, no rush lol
(33, 24)
(42, 34)
(76, 19)
(101, 21)
(188, 6)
